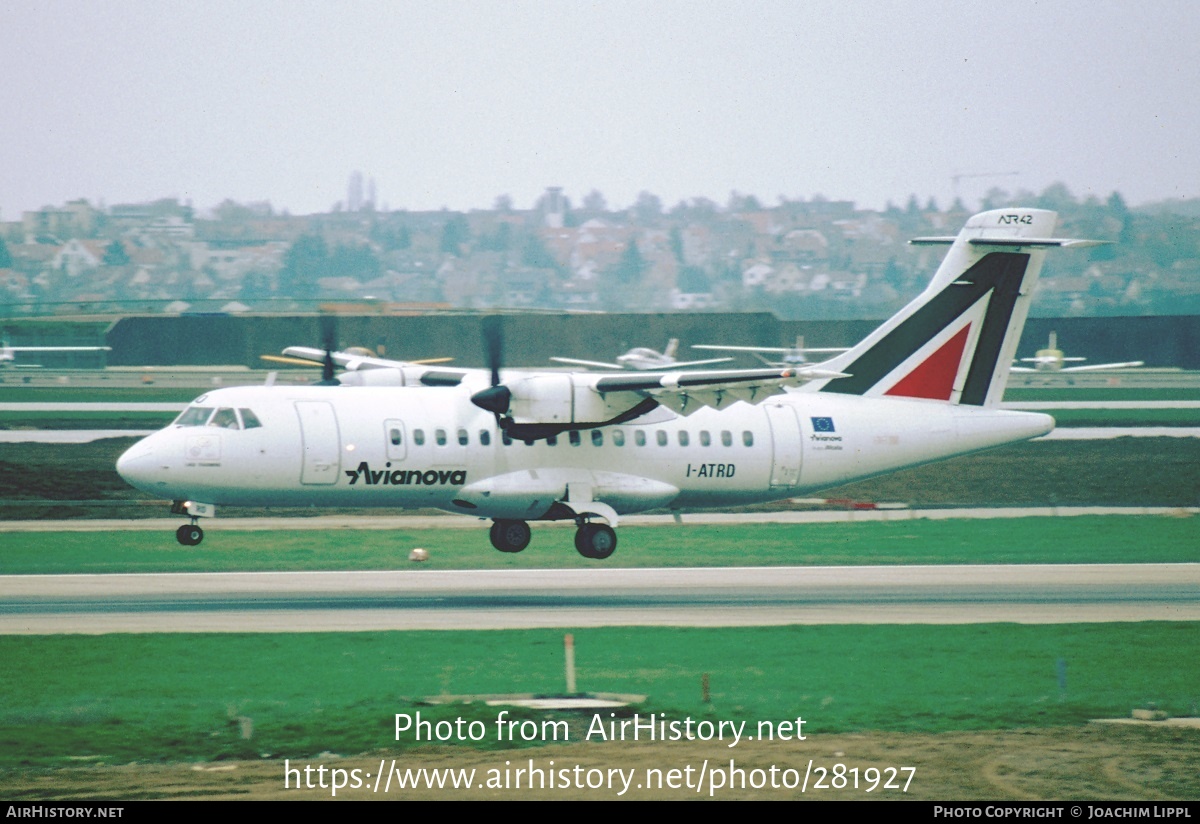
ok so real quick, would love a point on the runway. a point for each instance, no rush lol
(522, 599)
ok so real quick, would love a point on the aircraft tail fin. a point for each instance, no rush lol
(956, 340)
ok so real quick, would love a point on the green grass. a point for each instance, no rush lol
(169, 697)
(173, 697)
(1082, 539)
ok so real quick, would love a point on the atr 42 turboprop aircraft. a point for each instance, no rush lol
(643, 358)
(1051, 359)
(518, 446)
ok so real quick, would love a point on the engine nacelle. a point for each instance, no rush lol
(561, 400)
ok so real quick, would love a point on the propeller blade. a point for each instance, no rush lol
(493, 344)
(329, 336)
(289, 361)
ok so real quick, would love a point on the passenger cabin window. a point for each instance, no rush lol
(419, 437)
(506, 438)
(551, 440)
(395, 436)
(225, 418)
(661, 437)
(639, 437)
(705, 438)
(597, 438)
(618, 437)
(440, 436)
(726, 438)
(573, 436)
(485, 437)
(249, 419)
(748, 438)
(463, 437)
(194, 416)
(683, 437)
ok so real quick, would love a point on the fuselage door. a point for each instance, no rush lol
(396, 439)
(785, 445)
(321, 442)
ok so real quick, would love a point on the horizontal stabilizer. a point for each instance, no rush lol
(1061, 242)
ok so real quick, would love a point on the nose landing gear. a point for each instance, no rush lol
(189, 534)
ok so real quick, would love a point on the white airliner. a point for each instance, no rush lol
(1051, 359)
(518, 446)
(789, 355)
(642, 358)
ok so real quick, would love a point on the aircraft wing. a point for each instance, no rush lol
(685, 392)
(780, 350)
(693, 363)
(349, 361)
(1097, 367)
(539, 404)
(58, 348)
(588, 363)
(602, 365)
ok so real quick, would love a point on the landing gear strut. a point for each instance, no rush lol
(189, 534)
(597, 541)
(510, 536)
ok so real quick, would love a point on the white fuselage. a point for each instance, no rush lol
(408, 447)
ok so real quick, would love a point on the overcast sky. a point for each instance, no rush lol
(451, 104)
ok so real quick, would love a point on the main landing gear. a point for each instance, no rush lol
(596, 541)
(592, 540)
(189, 534)
(510, 536)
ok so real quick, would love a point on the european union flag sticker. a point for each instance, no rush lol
(822, 424)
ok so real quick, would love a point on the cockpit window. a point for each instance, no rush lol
(194, 416)
(226, 419)
(249, 419)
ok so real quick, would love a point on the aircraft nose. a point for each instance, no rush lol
(141, 468)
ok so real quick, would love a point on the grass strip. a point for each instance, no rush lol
(122, 698)
(1045, 540)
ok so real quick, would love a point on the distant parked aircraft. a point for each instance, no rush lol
(1051, 359)
(8, 354)
(791, 356)
(642, 358)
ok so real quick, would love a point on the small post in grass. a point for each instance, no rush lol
(569, 644)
